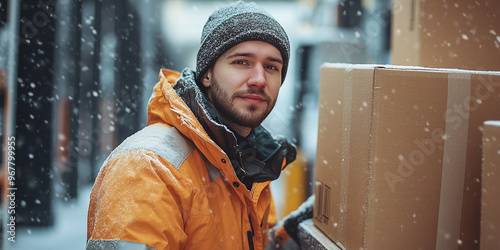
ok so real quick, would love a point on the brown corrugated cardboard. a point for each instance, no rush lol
(446, 34)
(398, 158)
(490, 218)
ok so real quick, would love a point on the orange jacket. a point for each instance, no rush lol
(170, 186)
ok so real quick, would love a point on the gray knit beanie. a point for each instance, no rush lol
(236, 23)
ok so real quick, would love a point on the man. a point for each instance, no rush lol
(197, 177)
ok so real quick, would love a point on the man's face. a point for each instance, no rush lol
(244, 82)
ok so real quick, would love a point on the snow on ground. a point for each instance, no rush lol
(69, 230)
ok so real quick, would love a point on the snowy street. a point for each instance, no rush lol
(69, 230)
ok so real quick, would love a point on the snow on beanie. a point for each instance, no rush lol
(236, 23)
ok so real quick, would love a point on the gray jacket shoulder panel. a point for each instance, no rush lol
(116, 245)
(168, 143)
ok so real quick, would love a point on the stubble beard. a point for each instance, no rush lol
(249, 117)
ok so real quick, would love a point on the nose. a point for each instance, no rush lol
(257, 77)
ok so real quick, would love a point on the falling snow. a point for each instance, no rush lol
(120, 83)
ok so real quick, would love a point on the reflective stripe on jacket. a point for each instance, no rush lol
(169, 186)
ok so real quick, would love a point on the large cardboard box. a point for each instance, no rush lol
(446, 34)
(398, 162)
(490, 215)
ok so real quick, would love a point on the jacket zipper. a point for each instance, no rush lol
(240, 162)
(250, 234)
(254, 185)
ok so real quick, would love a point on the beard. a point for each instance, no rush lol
(248, 116)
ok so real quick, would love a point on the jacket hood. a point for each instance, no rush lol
(165, 106)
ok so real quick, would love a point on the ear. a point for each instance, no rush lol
(206, 79)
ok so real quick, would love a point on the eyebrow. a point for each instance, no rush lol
(251, 55)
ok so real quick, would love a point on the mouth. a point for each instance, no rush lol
(253, 98)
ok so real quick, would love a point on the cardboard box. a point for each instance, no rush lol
(398, 160)
(490, 199)
(446, 34)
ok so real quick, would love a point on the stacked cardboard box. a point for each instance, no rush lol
(399, 159)
(446, 34)
(490, 216)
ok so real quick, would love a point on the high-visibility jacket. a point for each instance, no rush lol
(170, 186)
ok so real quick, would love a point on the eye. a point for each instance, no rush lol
(272, 67)
(240, 62)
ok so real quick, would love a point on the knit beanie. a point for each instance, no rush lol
(236, 23)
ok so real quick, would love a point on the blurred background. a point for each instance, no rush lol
(75, 78)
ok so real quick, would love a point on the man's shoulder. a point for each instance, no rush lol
(146, 146)
(165, 141)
